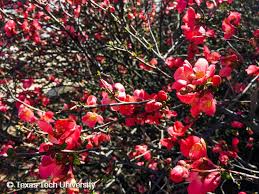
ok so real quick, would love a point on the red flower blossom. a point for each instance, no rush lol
(206, 104)
(91, 118)
(172, 62)
(91, 100)
(65, 131)
(141, 150)
(177, 130)
(167, 142)
(230, 23)
(178, 174)
(26, 114)
(212, 57)
(203, 183)
(10, 28)
(237, 124)
(252, 70)
(49, 167)
(152, 106)
(193, 147)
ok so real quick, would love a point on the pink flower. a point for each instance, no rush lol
(207, 104)
(141, 95)
(202, 71)
(91, 118)
(119, 91)
(178, 174)
(172, 62)
(223, 158)
(26, 114)
(91, 100)
(183, 76)
(141, 150)
(203, 186)
(252, 70)
(10, 28)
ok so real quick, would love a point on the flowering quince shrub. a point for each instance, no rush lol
(133, 96)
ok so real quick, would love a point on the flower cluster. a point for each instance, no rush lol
(189, 80)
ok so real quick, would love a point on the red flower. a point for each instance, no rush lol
(152, 106)
(181, 5)
(10, 28)
(49, 167)
(177, 130)
(202, 71)
(193, 147)
(203, 183)
(65, 131)
(172, 62)
(26, 114)
(91, 118)
(27, 83)
(206, 104)
(230, 23)
(141, 150)
(237, 124)
(178, 174)
(76, 2)
(161, 96)
(188, 98)
(189, 17)
(91, 100)
(252, 70)
(127, 109)
(212, 57)
(167, 142)
(97, 138)
(194, 33)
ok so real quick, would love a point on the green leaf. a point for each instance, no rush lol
(63, 146)
(76, 160)
(10, 152)
(225, 176)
